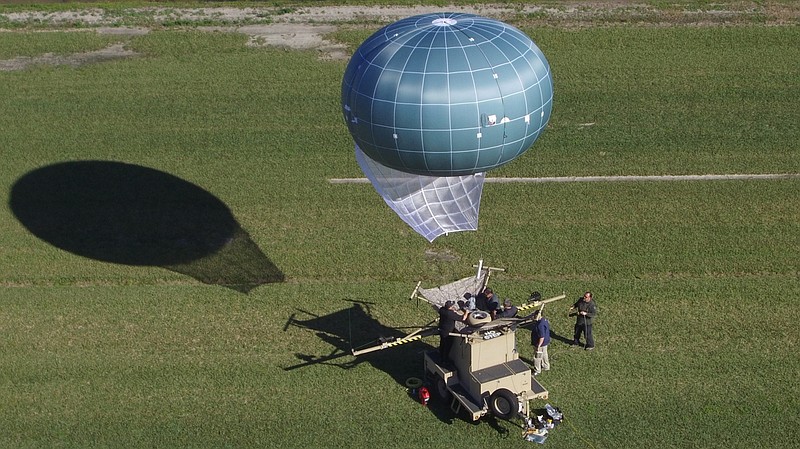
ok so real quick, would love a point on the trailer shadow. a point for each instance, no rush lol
(133, 215)
(354, 327)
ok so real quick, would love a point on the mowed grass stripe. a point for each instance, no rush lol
(630, 178)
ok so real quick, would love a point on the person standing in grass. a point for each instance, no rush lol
(585, 309)
(540, 338)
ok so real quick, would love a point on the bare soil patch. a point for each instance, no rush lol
(115, 51)
(305, 28)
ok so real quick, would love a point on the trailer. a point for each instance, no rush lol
(483, 373)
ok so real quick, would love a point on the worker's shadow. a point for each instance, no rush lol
(553, 336)
(559, 337)
(133, 215)
(526, 346)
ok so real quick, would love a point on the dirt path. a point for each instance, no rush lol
(306, 27)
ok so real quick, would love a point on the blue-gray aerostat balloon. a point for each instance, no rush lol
(434, 101)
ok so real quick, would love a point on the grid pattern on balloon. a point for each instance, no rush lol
(431, 205)
(447, 94)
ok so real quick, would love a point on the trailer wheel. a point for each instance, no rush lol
(503, 404)
(442, 391)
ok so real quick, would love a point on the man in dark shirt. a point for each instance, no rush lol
(540, 338)
(509, 310)
(488, 302)
(585, 309)
(448, 316)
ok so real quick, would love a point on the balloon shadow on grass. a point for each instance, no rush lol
(355, 328)
(133, 215)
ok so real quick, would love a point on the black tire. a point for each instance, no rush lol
(503, 404)
(442, 391)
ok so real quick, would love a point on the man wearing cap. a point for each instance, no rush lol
(448, 316)
(540, 338)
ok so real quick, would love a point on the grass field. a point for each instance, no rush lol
(131, 320)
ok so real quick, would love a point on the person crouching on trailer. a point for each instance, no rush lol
(509, 310)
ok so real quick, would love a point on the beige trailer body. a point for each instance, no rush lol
(484, 372)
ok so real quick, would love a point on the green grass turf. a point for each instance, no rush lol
(695, 281)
